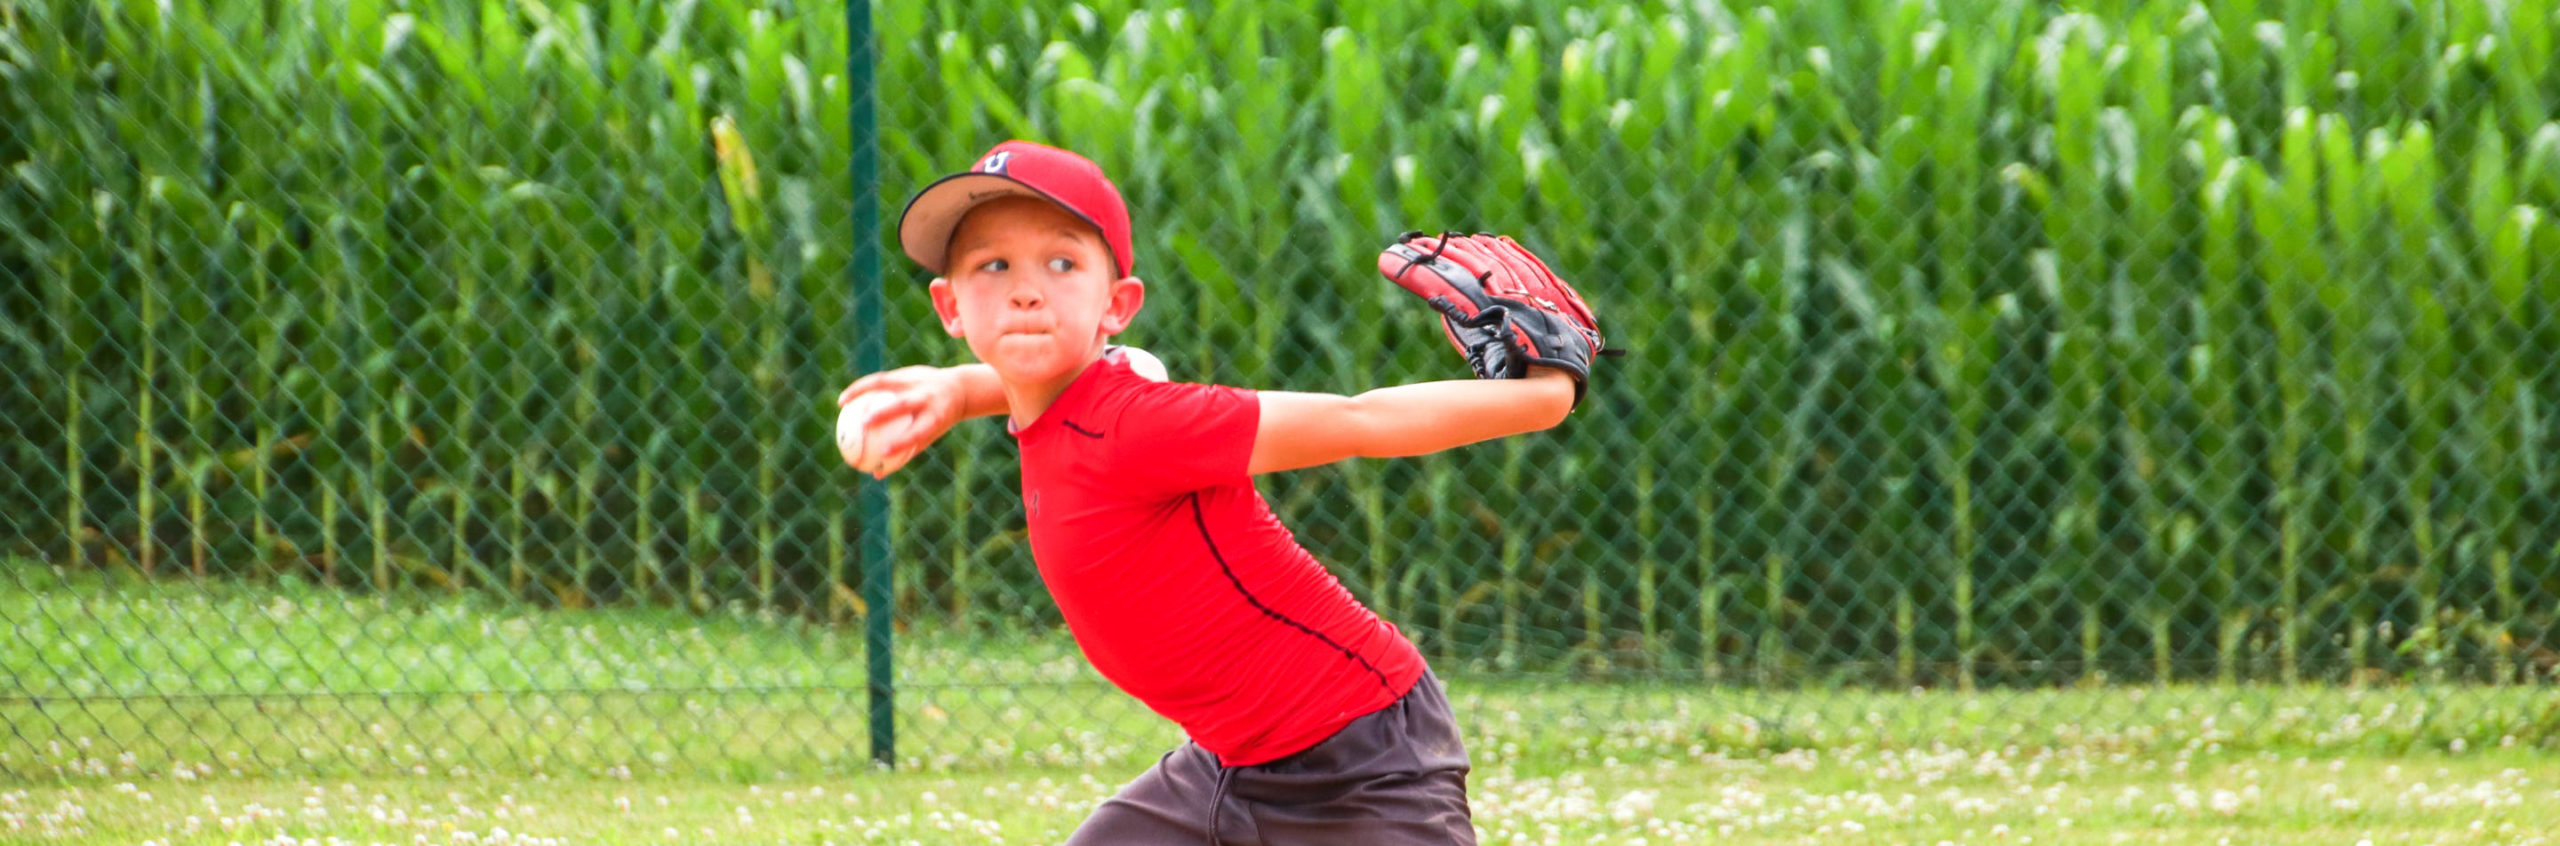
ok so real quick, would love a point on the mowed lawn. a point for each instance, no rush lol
(176, 713)
(2067, 795)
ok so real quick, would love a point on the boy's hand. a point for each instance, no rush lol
(924, 402)
(1500, 305)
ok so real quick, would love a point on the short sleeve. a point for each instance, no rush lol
(1172, 438)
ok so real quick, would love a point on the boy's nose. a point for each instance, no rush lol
(1026, 297)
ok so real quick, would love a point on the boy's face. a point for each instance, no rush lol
(1032, 289)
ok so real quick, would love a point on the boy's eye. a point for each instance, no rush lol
(1061, 265)
(993, 266)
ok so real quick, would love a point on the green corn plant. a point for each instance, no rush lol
(590, 459)
(965, 587)
(195, 309)
(23, 308)
(1992, 434)
(2286, 266)
(2084, 290)
(463, 336)
(1955, 360)
(61, 226)
(1654, 102)
(377, 504)
(2290, 313)
(2299, 264)
(146, 445)
(2211, 373)
(272, 311)
(1789, 381)
(175, 157)
(1897, 404)
(2153, 484)
(2486, 383)
(2408, 179)
(1962, 352)
(651, 576)
(1514, 549)
(372, 271)
(331, 469)
(1356, 90)
(71, 361)
(1440, 480)
(2323, 445)
(506, 250)
(1378, 551)
(821, 313)
(771, 88)
(1741, 316)
(1649, 579)
(743, 190)
(702, 532)
(2522, 56)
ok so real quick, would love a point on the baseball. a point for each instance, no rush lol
(1144, 363)
(854, 425)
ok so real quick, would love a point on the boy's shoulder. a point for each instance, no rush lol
(1127, 379)
(1153, 439)
(1147, 405)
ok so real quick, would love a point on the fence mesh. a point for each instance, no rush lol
(390, 372)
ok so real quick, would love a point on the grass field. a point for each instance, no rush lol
(178, 714)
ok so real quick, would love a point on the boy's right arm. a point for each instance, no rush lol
(937, 398)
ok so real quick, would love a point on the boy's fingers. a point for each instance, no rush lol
(897, 438)
(900, 379)
(859, 387)
(903, 423)
(896, 400)
(888, 464)
(894, 462)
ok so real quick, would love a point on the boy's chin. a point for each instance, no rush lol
(1030, 366)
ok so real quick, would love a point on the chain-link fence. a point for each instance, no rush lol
(387, 372)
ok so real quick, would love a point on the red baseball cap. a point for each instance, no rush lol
(1015, 169)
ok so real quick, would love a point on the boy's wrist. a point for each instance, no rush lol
(975, 391)
(1559, 382)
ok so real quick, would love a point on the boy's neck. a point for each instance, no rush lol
(1026, 401)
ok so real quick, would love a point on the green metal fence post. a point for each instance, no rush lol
(871, 527)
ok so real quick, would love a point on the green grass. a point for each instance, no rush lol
(1860, 794)
(298, 711)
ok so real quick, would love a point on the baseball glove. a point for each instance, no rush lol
(1503, 309)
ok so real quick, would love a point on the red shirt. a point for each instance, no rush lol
(1179, 584)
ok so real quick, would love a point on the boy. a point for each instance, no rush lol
(1311, 721)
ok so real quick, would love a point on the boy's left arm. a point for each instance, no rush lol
(1299, 430)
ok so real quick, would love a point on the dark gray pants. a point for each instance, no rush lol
(1397, 777)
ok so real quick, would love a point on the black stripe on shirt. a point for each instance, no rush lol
(1197, 519)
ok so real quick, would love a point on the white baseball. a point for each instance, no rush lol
(1144, 363)
(854, 425)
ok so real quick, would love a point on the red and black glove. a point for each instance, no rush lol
(1503, 309)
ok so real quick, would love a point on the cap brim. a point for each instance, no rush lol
(925, 229)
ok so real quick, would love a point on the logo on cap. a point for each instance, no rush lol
(995, 163)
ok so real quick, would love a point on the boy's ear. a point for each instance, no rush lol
(1128, 294)
(946, 305)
